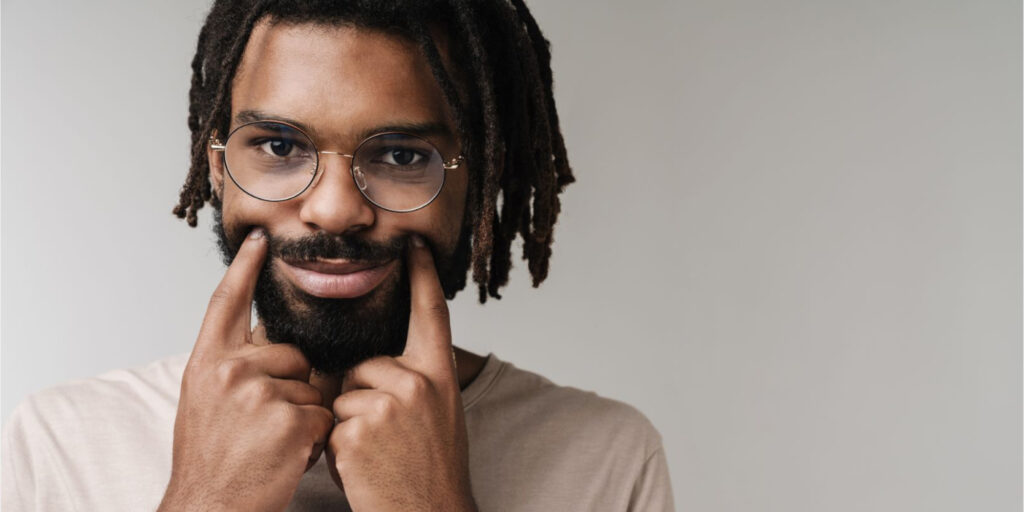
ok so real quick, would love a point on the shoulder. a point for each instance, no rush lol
(527, 401)
(543, 445)
(148, 389)
(100, 440)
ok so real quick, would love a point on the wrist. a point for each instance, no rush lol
(179, 498)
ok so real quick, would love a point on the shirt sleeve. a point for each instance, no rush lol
(28, 478)
(653, 488)
(15, 466)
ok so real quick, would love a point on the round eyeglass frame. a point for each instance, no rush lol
(454, 163)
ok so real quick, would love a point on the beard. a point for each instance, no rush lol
(335, 335)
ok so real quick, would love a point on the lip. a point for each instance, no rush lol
(335, 279)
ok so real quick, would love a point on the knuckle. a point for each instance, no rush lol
(387, 406)
(287, 418)
(354, 433)
(231, 371)
(339, 404)
(415, 385)
(261, 391)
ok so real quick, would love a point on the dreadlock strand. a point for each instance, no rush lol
(493, 148)
(537, 237)
(192, 195)
(562, 173)
(196, 108)
(541, 48)
(514, 185)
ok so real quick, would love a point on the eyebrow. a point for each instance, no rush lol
(427, 129)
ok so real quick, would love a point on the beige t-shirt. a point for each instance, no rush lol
(105, 443)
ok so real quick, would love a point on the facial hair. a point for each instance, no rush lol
(335, 335)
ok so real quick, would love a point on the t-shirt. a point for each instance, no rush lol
(105, 443)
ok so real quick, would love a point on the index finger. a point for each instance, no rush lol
(229, 314)
(430, 336)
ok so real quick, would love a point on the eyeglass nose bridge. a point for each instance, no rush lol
(357, 174)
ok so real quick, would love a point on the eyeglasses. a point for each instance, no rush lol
(275, 161)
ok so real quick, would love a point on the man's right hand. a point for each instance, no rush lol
(249, 424)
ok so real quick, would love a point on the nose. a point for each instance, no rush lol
(333, 202)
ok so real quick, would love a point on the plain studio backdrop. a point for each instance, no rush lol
(794, 244)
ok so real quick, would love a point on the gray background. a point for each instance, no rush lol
(795, 243)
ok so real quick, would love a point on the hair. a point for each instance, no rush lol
(499, 91)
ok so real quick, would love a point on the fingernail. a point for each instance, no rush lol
(417, 241)
(256, 233)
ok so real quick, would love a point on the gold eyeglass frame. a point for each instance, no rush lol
(217, 145)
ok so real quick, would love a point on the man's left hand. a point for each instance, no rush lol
(401, 443)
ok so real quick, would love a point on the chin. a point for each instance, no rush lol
(336, 334)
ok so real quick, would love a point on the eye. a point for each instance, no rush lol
(278, 147)
(402, 156)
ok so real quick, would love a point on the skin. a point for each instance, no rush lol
(252, 418)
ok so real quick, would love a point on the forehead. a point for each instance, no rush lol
(339, 81)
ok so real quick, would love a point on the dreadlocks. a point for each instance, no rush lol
(500, 94)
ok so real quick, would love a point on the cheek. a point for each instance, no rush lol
(241, 212)
(446, 213)
(457, 194)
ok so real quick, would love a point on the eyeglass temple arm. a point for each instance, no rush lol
(454, 163)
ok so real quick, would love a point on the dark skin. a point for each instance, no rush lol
(252, 412)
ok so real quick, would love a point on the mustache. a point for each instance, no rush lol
(313, 246)
(316, 246)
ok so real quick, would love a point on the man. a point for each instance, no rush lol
(354, 153)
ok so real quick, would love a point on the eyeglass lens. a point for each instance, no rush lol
(274, 161)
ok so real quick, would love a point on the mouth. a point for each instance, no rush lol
(335, 279)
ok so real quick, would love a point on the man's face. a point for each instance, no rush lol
(338, 82)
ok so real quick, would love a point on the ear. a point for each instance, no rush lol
(216, 160)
